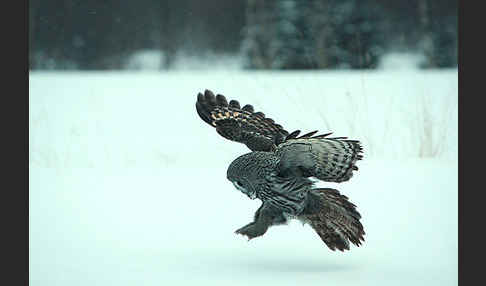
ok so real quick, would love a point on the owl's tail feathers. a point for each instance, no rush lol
(334, 218)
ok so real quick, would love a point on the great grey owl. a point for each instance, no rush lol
(278, 171)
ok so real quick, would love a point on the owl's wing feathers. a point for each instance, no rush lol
(240, 124)
(328, 159)
(334, 218)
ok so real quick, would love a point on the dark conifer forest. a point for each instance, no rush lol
(266, 34)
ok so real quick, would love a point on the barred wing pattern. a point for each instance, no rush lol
(238, 124)
(334, 219)
(327, 159)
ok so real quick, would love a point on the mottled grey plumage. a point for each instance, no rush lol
(279, 169)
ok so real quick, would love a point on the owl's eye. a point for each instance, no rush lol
(238, 185)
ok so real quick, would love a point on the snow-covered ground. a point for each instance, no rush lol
(128, 186)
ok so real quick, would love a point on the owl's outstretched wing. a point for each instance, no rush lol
(334, 218)
(240, 124)
(327, 159)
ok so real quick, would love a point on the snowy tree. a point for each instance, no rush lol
(349, 33)
(438, 24)
(294, 45)
(258, 34)
(296, 34)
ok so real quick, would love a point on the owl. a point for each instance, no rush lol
(281, 171)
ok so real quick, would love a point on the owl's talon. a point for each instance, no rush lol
(244, 235)
(249, 231)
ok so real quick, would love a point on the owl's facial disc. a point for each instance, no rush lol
(239, 185)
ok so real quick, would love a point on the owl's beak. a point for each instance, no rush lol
(251, 195)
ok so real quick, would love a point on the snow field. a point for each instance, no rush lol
(128, 186)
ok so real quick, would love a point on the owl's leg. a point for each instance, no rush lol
(266, 216)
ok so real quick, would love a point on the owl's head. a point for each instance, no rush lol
(249, 172)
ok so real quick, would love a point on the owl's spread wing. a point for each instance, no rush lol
(240, 124)
(334, 218)
(327, 159)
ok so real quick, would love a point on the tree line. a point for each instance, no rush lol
(268, 34)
